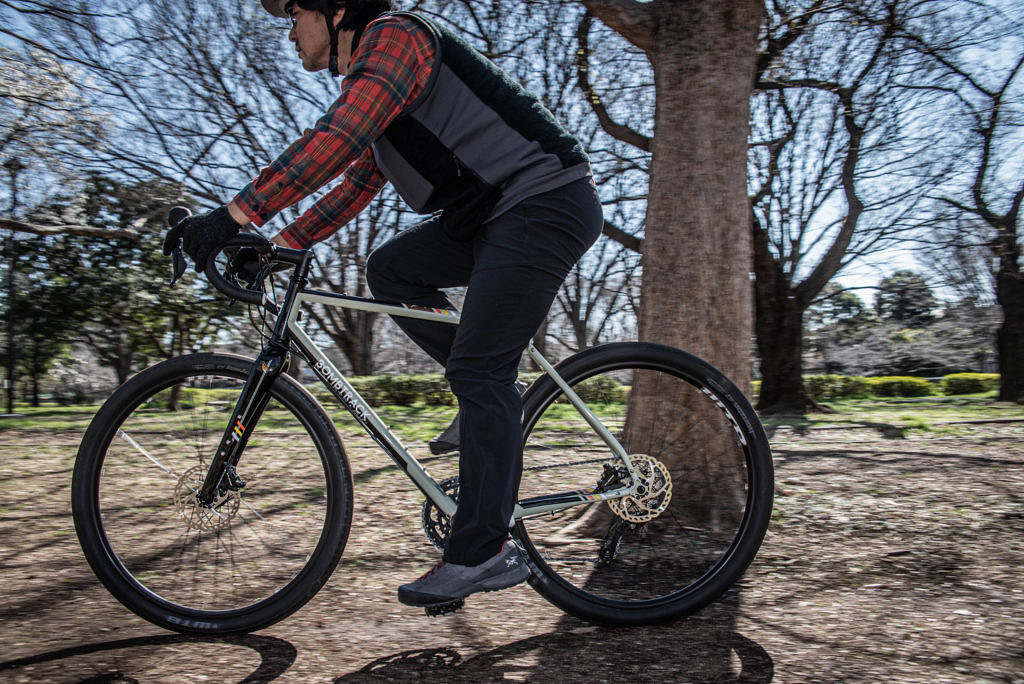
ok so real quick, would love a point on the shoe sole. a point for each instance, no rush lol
(493, 584)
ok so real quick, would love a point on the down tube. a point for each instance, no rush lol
(372, 423)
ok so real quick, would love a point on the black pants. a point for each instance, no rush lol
(513, 268)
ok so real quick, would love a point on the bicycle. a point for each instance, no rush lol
(212, 493)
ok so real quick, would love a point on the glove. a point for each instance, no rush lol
(201, 235)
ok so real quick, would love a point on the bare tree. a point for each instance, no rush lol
(840, 162)
(986, 95)
(595, 301)
(195, 94)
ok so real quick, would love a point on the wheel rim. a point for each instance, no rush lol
(683, 548)
(254, 544)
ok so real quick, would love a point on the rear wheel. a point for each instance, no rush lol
(247, 561)
(707, 483)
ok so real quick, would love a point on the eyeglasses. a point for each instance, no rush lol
(289, 9)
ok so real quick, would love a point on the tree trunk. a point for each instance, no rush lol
(356, 342)
(9, 319)
(540, 341)
(1010, 339)
(696, 290)
(779, 327)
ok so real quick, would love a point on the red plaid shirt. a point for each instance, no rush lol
(389, 70)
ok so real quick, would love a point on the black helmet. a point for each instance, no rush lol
(358, 13)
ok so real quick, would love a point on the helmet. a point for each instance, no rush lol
(359, 14)
(276, 7)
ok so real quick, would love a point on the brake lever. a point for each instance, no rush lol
(178, 265)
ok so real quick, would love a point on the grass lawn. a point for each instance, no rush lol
(421, 422)
(940, 414)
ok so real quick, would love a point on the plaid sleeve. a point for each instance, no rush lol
(390, 68)
(361, 183)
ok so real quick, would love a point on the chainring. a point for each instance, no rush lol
(436, 525)
(653, 494)
(199, 517)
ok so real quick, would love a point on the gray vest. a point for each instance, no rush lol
(474, 143)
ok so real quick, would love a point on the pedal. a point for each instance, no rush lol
(444, 609)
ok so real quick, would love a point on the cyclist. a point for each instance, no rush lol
(514, 208)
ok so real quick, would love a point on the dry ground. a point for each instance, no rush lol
(889, 560)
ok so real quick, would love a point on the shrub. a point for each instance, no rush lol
(600, 390)
(370, 387)
(901, 386)
(828, 387)
(970, 383)
(404, 390)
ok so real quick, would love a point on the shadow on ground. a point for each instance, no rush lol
(275, 656)
(702, 650)
(705, 648)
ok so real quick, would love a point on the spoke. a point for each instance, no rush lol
(138, 447)
(255, 512)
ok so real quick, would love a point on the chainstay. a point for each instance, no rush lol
(566, 464)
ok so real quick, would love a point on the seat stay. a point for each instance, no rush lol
(581, 406)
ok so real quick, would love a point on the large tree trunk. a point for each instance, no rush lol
(696, 290)
(1010, 341)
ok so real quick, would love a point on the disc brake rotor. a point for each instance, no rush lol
(196, 516)
(653, 494)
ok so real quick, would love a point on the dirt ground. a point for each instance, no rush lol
(890, 559)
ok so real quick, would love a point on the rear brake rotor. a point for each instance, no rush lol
(653, 493)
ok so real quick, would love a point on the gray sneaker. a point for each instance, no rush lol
(448, 582)
(448, 440)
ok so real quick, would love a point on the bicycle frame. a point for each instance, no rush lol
(288, 333)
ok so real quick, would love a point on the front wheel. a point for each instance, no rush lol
(707, 483)
(255, 555)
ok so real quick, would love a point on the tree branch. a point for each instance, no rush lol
(611, 127)
(622, 237)
(70, 229)
(633, 20)
(775, 46)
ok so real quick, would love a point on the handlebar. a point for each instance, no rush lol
(252, 240)
(217, 279)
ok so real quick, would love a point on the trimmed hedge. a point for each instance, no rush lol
(827, 387)
(400, 390)
(600, 390)
(901, 386)
(970, 383)
(406, 390)
(433, 390)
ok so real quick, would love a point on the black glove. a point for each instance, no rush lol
(201, 235)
